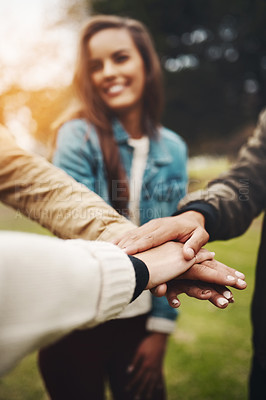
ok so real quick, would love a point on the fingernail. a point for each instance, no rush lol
(206, 291)
(175, 302)
(227, 294)
(241, 282)
(213, 253)
(190, 252)
(222, 301)
(240, 275)
(231, 278)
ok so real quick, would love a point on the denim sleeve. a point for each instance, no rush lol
(183, 170)
(161, 309)
(73, 152)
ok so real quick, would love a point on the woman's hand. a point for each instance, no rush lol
(186, 228)
(167, 262)
(219, 296)
(145, 370)
(204, 281)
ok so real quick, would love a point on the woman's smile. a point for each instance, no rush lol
(116, 69)
(115, 89)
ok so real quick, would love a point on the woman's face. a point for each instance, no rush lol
(116, 69)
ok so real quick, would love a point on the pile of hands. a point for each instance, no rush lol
(171, 248)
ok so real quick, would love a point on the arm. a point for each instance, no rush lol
(229, 204)
(146, 367)
(205, 275)
(239, 195)
(50, 287)
(77, 153)
(49, 196)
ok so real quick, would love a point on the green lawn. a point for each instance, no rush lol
(209, 354)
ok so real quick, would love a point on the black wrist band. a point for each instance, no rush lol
(142, 276)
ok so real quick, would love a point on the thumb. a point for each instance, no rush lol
(198, 239)
(160, 290)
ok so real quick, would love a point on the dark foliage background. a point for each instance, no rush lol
(213, 55)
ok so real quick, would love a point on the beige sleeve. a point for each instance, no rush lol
(49, 196)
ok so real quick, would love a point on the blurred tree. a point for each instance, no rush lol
(214, 58)
(32, 112)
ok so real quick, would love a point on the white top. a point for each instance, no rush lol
(140, 155)
(142, 304)
(49, 287)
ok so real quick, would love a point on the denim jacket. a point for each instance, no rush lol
(78, 152)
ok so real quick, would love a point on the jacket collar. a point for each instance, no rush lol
(120, 134)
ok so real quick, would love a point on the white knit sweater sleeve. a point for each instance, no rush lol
(49, 287)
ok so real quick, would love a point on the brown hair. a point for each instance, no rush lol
(96, 112)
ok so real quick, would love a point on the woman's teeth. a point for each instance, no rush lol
(115, 89)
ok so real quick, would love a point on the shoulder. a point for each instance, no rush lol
(172, 140)
(76, 132)
(75, 128)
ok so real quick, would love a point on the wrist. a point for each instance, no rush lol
(196, 215)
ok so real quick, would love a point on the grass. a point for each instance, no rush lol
(209, 354)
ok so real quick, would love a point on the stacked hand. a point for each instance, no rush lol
(183, 267)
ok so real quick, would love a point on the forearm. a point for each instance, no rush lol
(50, 286)
(239, 195)
(49, 196)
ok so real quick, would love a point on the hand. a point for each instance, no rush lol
(166, 262)
(146, 367)
(220, 296)
(212, 272)
(186, 228)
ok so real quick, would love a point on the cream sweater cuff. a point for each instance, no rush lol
(118, 279)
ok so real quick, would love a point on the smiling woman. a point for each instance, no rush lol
(115, 145)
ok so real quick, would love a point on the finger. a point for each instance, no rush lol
(135, 236)
(147, 381)
(153, 384)
(136, 378)
(173, 300)
(160, 290)
(204, 255)
(225, 292)
(144, 243)
(135, 363)
(149, 235)
(206, 273)
(187, 287)
(198, 239)
(220, 296)
(213, 271)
